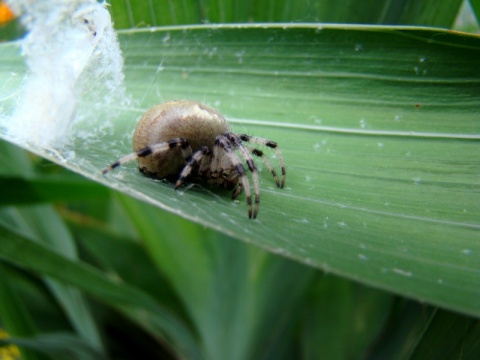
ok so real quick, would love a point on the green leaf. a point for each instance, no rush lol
(14, 162)
(428, 12)
(120, 256)
(341, 312)
(407, 323)
(416, 331)
(458, 336)
(129, 14)
(138, 306)
(43, 224)
(379, 130)
(58, 346)
(18, 190)
(230, 291)
(13, 314)
(476, 8)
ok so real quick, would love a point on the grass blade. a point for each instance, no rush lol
(135, 304)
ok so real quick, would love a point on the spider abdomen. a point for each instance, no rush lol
(198, 124)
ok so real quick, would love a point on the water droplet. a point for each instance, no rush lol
(358, 47)
(363, 123)
(342, 224)
(302, 221)
(212, 51)
(239, 56)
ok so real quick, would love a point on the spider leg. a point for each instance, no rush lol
(194, 160)
(267, 162)
(224, 142)
(237, 142)
(271, 144)
(237, 191)
(153, 150)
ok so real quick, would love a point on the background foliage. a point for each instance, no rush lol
(87, 272)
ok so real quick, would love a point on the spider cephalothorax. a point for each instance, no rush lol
(188, 139)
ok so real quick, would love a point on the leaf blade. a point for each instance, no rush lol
(135, 304)
(379, 130)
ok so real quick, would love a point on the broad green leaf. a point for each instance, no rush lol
(379, 130)
(14, 162)
(17, 190)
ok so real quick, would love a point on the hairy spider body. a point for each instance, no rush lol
(185, 139)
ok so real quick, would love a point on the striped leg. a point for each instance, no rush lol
(271, 144)
(237, 142)
(237, 191)
(153, 150)
(223, 143)
(267, 163)
(195, 160)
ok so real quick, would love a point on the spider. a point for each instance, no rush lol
(186, 139)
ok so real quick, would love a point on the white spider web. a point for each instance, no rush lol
(74, 70)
